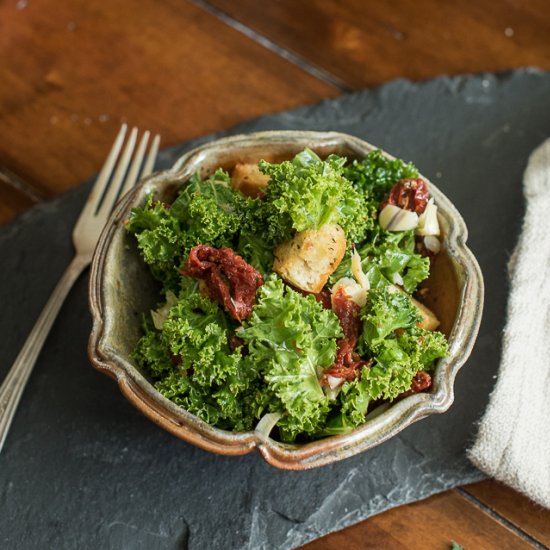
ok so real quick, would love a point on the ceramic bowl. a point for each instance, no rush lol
(121, 290)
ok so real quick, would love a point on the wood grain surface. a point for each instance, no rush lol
(69, 81)
(72, 70)
(518, 510)
(367, 42)
(432, 523)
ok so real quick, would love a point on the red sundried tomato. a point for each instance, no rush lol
(235, 342)
(420, 382)
(229, 279)
(324, 298)
(347, 312)
(347, 364)
(176, 360)
(409, 194)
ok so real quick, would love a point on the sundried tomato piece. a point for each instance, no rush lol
(229, 279)
(235, 342)
(347, 363)
(410, 194)
(324, 298)
(420, 382)
(347, 312)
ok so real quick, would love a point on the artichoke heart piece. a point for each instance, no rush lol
(428, 319)
(310, 257)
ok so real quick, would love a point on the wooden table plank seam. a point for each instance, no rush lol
(501, 519)
(13, 180)
(289, 55)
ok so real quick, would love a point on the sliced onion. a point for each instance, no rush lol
(332, 394)
(334, 386)
(357, 270)
(160, 315)
(397, 279)
(334, 382)
(432, 243)
(428, 223)
(393, 218)
(267, 423)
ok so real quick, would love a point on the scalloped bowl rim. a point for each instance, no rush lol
(190, 428)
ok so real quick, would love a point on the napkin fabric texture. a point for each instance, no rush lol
(513, 442)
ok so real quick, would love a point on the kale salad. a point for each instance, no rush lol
(290, 289)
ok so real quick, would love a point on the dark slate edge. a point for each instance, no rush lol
(300, 530)
(454, 84)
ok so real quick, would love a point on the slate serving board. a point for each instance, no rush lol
(82, 469)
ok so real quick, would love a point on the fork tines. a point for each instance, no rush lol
(126, 174)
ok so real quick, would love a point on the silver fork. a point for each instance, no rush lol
(86, 233)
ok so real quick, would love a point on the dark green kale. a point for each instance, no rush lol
(191, 361)
(291, 339)
(386, 311)
(390, 255)
(307, 192)
(376, 174)
(206, 211)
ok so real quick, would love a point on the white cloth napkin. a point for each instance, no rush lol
(513, 442)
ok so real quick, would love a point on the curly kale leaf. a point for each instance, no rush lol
(390, 255)
(192, 364)
(159, 237)
(255, 243)
(376, 174)
(307, 192)
(424, 346)
(205, 212)
(291, 338)
(151, 353)
(385, 312)
(211, 210)
(394, 253)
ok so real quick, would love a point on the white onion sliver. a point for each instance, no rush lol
(267, 423)
(432, 243)
(397, 279)
(357, 270)
(332, 394)
(393, 218)
(161, 314)
(428, 224)
(334, 382)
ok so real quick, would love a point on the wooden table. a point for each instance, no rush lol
(71, 71)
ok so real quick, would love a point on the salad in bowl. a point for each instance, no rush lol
(290, 302)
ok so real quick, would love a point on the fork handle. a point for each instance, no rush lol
(13, 386)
